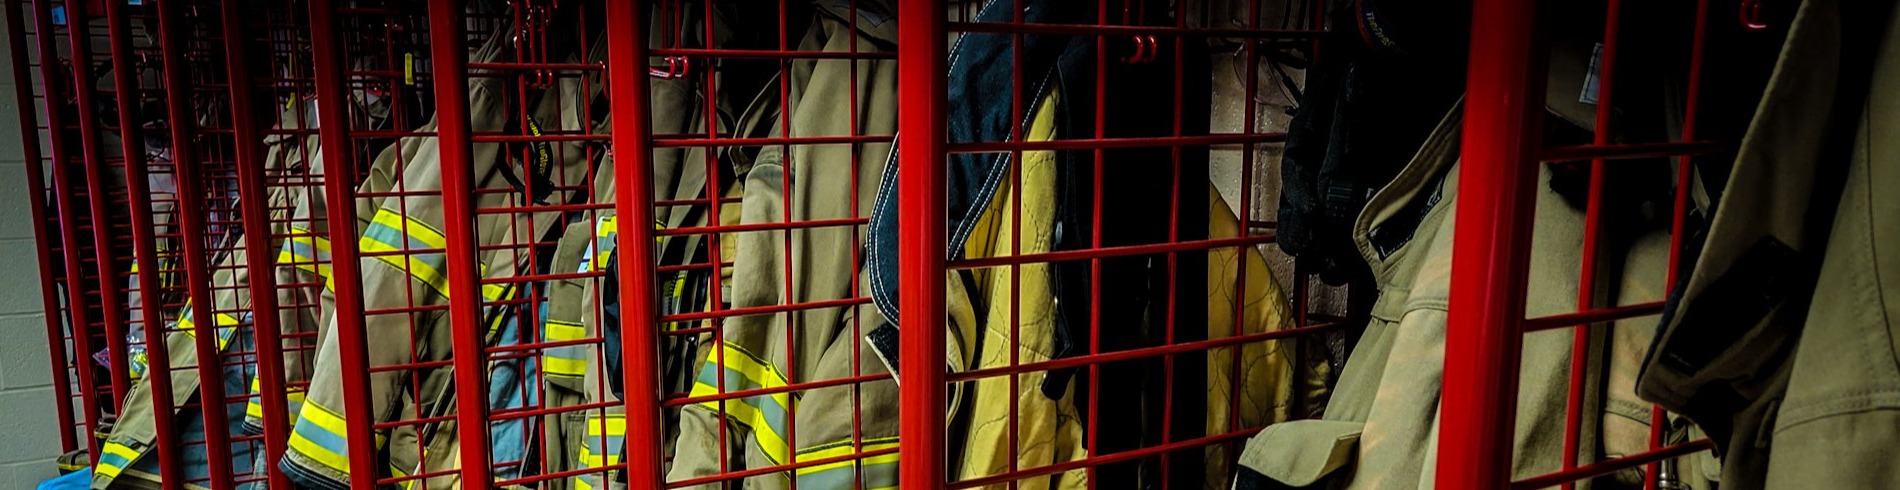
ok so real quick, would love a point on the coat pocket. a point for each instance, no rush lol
(1301, 453)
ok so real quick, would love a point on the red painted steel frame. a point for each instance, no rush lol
(144, 244)
(253, 194)
(192, 226)
(339, 167)
(1502, 150)
(921, 207)
(112, 314)
(1490, 263)
(627, 89)
(66, 200)
(36, 202)
(446, 30)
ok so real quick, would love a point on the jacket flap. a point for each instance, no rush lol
(874, 18)
(1300, 452)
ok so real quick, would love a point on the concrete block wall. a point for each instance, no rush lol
(29, 428)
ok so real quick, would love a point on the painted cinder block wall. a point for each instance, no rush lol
(29, 428)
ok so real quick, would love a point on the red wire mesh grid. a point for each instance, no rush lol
(1118, 448)
(1503, 137)
(343, 86)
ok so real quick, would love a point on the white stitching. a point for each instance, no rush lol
(989, 187)
(878, 287)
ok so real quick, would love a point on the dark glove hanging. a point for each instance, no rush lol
(1384, 78)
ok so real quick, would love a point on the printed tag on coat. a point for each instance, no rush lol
(1589, 95)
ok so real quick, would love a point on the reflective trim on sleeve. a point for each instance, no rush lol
(606, 231)
(319, 436)
(605, 436)
(767, 415)
(227, 330)
(419, 250)
(877, 472)
(307, 252)
(113, 459)
(600, 448)
(602, 246)
(255, 407)
(226, 324)
(395, 472)
(569, 360)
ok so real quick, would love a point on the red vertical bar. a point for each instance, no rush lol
(36, 201)
(339, 168)
(253, 197)
(921, 208)
(144, 247)
(1592, 238)
(112, 309)
(458, 218)
(627, 86)
(192, 227)
(1684, 174)
(1490, 261)
(81, 321)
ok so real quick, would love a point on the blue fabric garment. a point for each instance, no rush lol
(512, 385)
(78, 480)
(190, 423)
(981, 66)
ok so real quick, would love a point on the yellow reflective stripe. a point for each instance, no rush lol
(611, 430)
(411, 228)
(320, 436)
(562, 330)
(114, 458)
(395, 472)
(255, 407)
(404, 236)
(843, 448)
(140, 363)
(308, 252)
(767, 415)
(566, 360)
(604, 231)
(496, 292)
(223, 320)
(872, 472)
(417, 269)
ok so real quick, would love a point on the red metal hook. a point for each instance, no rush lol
(1751, 15)
(676, 67)
(545, 15)
(1147, 48)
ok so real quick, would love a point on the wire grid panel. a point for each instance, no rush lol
(93, 286)
(725, 315)
(1111, 292)
(752, 216)
(1492, 274)
(470, 205)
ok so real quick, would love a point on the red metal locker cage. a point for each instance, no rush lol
(1502, 143)
(467, 147)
